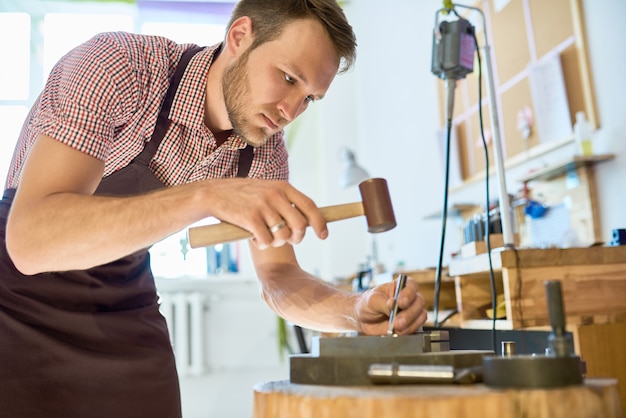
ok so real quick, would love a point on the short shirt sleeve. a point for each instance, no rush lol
(91, 92)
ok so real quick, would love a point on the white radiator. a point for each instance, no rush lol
(185, 316)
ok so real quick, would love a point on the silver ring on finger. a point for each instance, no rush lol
(280, 225)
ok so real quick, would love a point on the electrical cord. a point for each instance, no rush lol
(450, 315)
(450, 87)
(444, 216)
(492, 281)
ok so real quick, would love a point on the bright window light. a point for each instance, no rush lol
(58, 40)
(197, 33)
(12, 118)
(14, 77)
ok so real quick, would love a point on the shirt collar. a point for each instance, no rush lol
(188, 104)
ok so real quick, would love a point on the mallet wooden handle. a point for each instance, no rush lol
(206, 236)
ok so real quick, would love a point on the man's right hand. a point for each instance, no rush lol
(260, 205)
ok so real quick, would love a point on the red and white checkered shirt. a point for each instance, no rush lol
(103, 99)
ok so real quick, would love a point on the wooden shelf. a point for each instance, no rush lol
(594, 280)
(565, 166)
(456, 210)
(593, 283)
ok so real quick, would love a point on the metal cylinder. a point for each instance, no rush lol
(393, 373)
(508, 348)
(556, 308)
(561, 343)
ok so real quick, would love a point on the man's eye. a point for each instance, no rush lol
(289, 79)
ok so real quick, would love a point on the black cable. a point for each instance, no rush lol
(301, 340)
(450, 86)
(450, 315)
(494, 296)
(444, 214)
(444, 217)
(450, 104)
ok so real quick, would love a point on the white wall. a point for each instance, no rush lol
(387, 110)
(398, 120)
(602, 18)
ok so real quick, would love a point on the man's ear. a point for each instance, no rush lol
(239, 36)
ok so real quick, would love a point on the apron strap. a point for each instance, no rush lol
(245, 161)
(163, 121)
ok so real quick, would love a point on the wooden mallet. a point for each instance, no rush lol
(375, 205)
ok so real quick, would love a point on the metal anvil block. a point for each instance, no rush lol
(346, 360)
(405, 345)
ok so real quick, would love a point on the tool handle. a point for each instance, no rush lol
(223, 232)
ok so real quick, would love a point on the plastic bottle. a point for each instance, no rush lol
(583, 135)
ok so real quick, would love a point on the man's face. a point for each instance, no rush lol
(268, 87)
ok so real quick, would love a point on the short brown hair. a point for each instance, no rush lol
(269, 17)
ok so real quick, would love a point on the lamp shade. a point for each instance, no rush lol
(352, 173)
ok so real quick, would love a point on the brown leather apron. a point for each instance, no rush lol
(91, 343)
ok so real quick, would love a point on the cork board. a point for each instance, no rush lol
(523, 34)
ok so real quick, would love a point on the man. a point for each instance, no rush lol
(135, 138)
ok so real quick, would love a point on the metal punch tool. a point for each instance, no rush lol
(394, 311)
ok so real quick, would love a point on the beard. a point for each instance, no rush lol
(236, 90)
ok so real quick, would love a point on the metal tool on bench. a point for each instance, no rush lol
(347, 360)
(558, 367)
(394, 311)
(395, 374)
(366, 360)
(375, 206)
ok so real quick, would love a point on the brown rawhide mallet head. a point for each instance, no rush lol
(377, 206)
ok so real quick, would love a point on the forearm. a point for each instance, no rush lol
(308, 301)
(66, 231)
(315, 304)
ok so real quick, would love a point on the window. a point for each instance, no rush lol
(14, 72)
(14, 82)
(58, 40)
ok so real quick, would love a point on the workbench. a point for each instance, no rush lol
(594, 297)
(282, 399)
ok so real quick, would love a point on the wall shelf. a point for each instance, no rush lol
(455, 210)
(556, 170)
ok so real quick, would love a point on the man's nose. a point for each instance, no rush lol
(290, 107)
